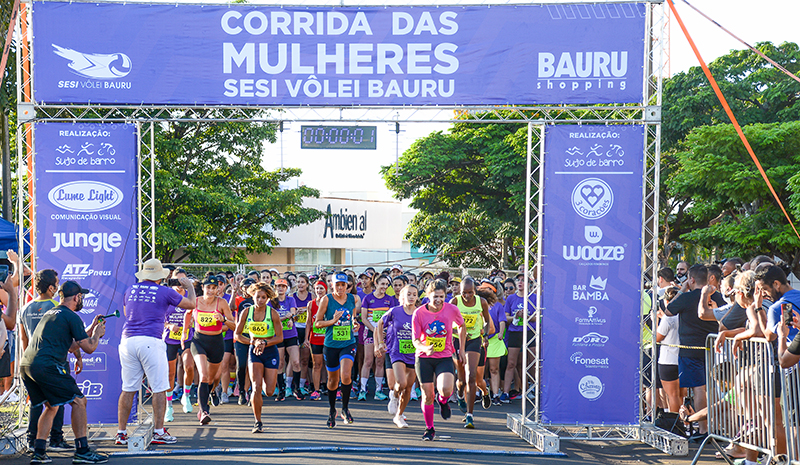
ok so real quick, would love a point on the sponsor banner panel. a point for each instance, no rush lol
(591, 274)
(86, 231)
(338, 56)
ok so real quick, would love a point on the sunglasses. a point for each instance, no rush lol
(509, 288)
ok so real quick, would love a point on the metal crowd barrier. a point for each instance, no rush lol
(740, 389)
(791, 411)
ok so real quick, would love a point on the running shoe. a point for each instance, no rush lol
(213, 399)
(332, 420)
(281, 397)
(12, 398)
(380, 396)
(348, 419)
(121, 439)
(60, 445)
(242, 399)
(504, 398)
(287, 392)
(169, 413)
(204, 417)
(400, 422)
(299, 395)
(415, 394)
(304, 391)
(339, 395)
(430, 433)
(444, 409)
(496, 400)
(362, 396)
(90, 457)
(393, 402)
(165, 438)
(354, 390)
(257, 428)
(316, 395)
(224, 398)
(186, 402)
(462, 404)
(40, 458)
(469, 423)
(514, 394)
(486, 401)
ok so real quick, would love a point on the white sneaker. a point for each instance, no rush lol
(168, 414)
(224, 399)
(393, 403)
(230, 391)
(400, 421)
(187, 403)
(12, 398)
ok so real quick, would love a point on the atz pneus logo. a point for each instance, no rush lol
(592, 198)
(95, 65)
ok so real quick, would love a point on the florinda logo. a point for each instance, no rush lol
(592, 198)
(95, 65)
(85, 196)
(590, 387)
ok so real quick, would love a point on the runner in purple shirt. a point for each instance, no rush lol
(290, 344)
(399, 347)
(302, 297)
(514, 309)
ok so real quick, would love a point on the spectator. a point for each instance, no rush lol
(666, 279)
(731, 265)
(680, 272)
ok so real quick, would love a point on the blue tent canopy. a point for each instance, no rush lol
(8, 237)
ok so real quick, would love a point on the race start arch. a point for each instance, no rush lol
(585, 77)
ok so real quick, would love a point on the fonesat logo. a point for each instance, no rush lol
(590, 387)
(95, 65)
(592, 198)
(85, 196)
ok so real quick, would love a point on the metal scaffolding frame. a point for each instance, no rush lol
(528, 423)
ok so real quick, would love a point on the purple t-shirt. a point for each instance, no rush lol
(498, 314)
(398, 333)
(175, 316)
(377, 307)
(288, 325)
(514, 303)
(146, 306)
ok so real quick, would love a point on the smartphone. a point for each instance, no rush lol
(687, 402)
(786, 313)
(3, 273)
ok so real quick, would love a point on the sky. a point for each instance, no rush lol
(764, 20)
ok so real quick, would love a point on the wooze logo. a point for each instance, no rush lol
(97, 241)
(592, 198)
(592, 234)
(595, 253)
(592, 339)
(590, 387)
(95, 65)
(85, 196)
(588, 362)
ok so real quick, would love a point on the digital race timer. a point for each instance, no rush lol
(338, 137)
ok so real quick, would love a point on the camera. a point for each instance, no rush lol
(786, 313)
(172, 282)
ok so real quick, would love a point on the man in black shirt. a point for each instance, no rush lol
(45, 370)
(693, 331)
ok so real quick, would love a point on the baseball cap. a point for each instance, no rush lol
(455, 280)
(212, 280)
(397, 267)
(71, 288)
(278, 282)
(339, 278)
(248, 281)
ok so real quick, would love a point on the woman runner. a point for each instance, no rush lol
(290, 344)
(315, 338)
(264, 335)
(496, 348)
(432, 331)
(337, 314)
(475, 311)
(229, 359)
(208, 346)
(173, 330)
(240, 349)
(400, 348)
(302, 297)
(374, 306)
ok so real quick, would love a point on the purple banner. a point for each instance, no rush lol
(261, 55)
(86, 231)
(591, 274)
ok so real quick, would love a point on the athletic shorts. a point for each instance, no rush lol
(472, 345)
(333, 356)
(228, 346)
(514, 339)
(268, 358)
(213, 347)
(142, 356)
(410, 366)
(692, 372)
(52, 384)
(174, 349)
(428, 368)
(291, 342)
(5, 362)
(482, 357)
(316, 349)
(668, 372)
(370, 339)
(497, 348)
(301, 336)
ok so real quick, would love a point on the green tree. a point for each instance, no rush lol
(468, 185)
(728, 200)
(214, 200)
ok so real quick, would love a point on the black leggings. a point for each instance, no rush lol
(241, 364)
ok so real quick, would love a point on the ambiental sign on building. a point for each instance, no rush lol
(348, 224)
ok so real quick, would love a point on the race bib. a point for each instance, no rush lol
(341, 333)
(470, 320)
(286, 324)
(259, 328)
(176, 335)
(206, 320)
(377, 315)
(438, 343)
(406, 346)
(319, 330)
(516, 321)
(302, 318)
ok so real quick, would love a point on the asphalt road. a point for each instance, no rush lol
(294, 424)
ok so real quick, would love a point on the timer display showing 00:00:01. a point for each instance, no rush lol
(338, 137)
